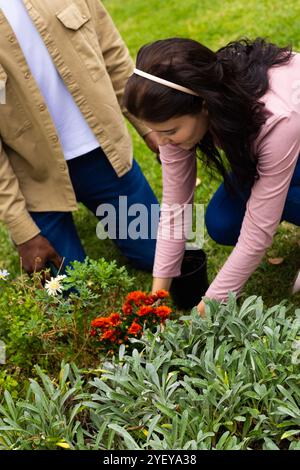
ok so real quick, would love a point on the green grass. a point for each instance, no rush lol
(213, 23)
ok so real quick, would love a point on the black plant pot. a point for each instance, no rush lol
(188, 288)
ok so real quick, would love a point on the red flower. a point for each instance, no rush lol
(137, 297)
(163, 311)
(115, 319)
(144, 310)
(109, 334)
(101, 322)
(151, 299)
(134, 328)
(138, 309)
(162, 294)
(127, 309)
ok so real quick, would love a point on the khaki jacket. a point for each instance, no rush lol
(95, 64)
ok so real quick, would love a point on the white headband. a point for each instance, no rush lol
(164, 82)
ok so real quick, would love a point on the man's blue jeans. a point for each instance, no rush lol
(225, 213)
(95, 182)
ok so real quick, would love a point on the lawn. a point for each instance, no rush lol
(213, 23)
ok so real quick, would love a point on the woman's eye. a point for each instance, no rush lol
(170, 133)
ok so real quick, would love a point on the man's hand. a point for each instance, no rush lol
(152, 141)
(35, 254)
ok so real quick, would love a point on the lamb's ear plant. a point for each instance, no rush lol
(229, 381)
(50, 416)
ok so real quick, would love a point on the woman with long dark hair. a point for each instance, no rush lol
(243, 100)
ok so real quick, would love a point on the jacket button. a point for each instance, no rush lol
(11, 39)
(54, 138)
(27, 75)
(62, 166)
(42, 107)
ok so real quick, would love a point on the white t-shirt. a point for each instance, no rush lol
(75, 135)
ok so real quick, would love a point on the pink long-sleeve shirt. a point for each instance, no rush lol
(278, 148)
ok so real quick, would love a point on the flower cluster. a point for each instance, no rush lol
(138, 311)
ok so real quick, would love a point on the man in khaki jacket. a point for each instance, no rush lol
(63, 139)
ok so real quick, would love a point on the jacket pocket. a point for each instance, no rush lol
(72, 18)
(76, 19)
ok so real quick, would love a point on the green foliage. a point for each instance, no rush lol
(230, 381)
(101, 278)
(8, 383)
(38, 328)
(50, 416)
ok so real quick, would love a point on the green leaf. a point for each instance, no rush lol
(291, 432)
(132, 445)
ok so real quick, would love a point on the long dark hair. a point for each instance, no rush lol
(229, 81)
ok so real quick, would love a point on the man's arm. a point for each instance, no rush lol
(116, 56)
(13, 210)
(34, 250)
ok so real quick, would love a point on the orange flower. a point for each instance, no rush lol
(101, 322)
(144, 310)
(115, 319)
(162, 294)
(162, 311)
(134, 328)
(137, 297)
(151, 299)
(138, 309)
(127, 309)
(109, 334)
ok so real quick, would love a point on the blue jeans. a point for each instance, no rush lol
(225, 213)
(95, 182)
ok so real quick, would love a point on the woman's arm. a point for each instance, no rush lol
(179, 178)
(278, 153)
(161, 283)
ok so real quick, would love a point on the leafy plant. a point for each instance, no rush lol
(230, 381)
(44, 326)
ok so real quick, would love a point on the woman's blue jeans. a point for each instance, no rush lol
(95, 182)
(225, 213)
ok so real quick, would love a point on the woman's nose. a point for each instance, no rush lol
(163, 140)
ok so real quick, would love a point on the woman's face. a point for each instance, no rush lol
(185, 131)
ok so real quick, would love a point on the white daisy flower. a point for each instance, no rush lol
(4, 274)
(53, 287)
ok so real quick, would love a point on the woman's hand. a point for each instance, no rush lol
(201, 309)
